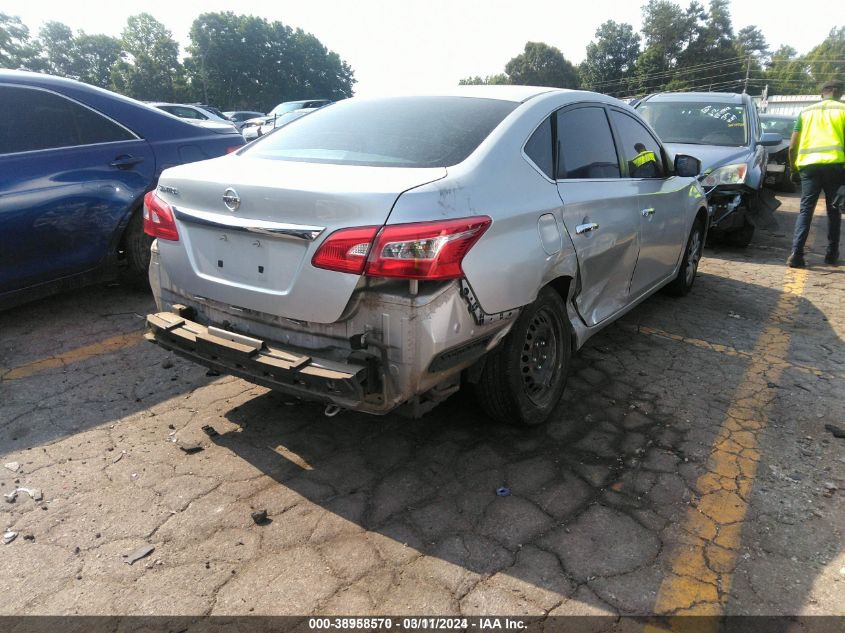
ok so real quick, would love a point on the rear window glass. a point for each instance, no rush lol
(395, 132)
(697, 123)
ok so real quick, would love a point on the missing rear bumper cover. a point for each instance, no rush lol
(255, 360)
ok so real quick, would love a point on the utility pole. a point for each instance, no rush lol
(747, 72)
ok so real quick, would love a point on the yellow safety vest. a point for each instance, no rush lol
(821, 140)
(644, 157)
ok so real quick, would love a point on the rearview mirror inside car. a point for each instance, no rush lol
(687, 165)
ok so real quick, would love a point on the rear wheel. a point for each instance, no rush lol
(682, 284)
(523, 379)
(136, 245)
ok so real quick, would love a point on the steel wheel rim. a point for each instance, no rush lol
(540, 358)
(693, 255)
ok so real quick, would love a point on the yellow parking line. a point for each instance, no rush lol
(702, 566)
(73, 356)
(728, 350)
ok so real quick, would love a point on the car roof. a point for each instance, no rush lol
(167, 103)
(682, 97)
(142, 118)
(517, 94)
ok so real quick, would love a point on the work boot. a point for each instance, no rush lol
(796, 260)
(831, 257)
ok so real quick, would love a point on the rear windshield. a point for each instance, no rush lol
(697, 123)
(394, 132)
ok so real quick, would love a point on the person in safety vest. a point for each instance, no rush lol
(817, 152)
(644, 164)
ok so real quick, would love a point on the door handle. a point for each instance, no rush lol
(647, 212)
(586, 228)
(126, 161)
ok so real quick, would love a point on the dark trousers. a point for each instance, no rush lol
(814, 180)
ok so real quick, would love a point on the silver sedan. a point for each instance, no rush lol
(383, 253)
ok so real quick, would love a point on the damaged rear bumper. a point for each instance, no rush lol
(343, 383)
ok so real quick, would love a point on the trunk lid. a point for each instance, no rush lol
(253, 250)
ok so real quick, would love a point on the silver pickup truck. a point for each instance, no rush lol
(381, 253)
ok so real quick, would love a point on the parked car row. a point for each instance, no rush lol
(253, 128)
(379, 254)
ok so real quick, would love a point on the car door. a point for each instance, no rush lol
(661, 201)
(599, 210)
(70, 176)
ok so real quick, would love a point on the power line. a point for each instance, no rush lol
(711, 65)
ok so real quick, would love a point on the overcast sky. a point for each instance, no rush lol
(402, 45)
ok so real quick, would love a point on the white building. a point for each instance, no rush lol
(785, 104)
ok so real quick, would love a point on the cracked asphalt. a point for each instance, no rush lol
(687, 470)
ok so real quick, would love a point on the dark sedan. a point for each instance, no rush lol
(76, 162)
(778, 172)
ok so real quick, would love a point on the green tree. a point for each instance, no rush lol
(94, 56)
(610, 59)
(247, 62)
(541, 65)
(667, 32)
(57, 46)
(827, 60)
(710, 60)
(787, 74)
(150, 67)
(499, 79)
(16, 49)
(751, 41)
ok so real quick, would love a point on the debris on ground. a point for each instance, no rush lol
(190, 449)
(836, 430)
(167, 363)
(260, 517)
(830, 488)
(35, 493)
(119, 457)
(29, 537)
(138, 554)
(503, 492)
(212, 372)
(9, 536)
(210, 431)
(734, 315)
(13, 466)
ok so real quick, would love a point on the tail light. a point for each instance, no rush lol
(346, 250)
(158, 218)
(233, 148)
(421, 250)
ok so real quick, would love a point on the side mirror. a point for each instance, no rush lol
(687, 166)
(770, 139)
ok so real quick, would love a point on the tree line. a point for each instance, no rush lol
(690, 48)
(233, 61)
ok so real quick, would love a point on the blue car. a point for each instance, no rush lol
(75, 163)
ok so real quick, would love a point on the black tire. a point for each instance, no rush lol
(740, 237)
(515, 387)
(136, 248)
(683, 282)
